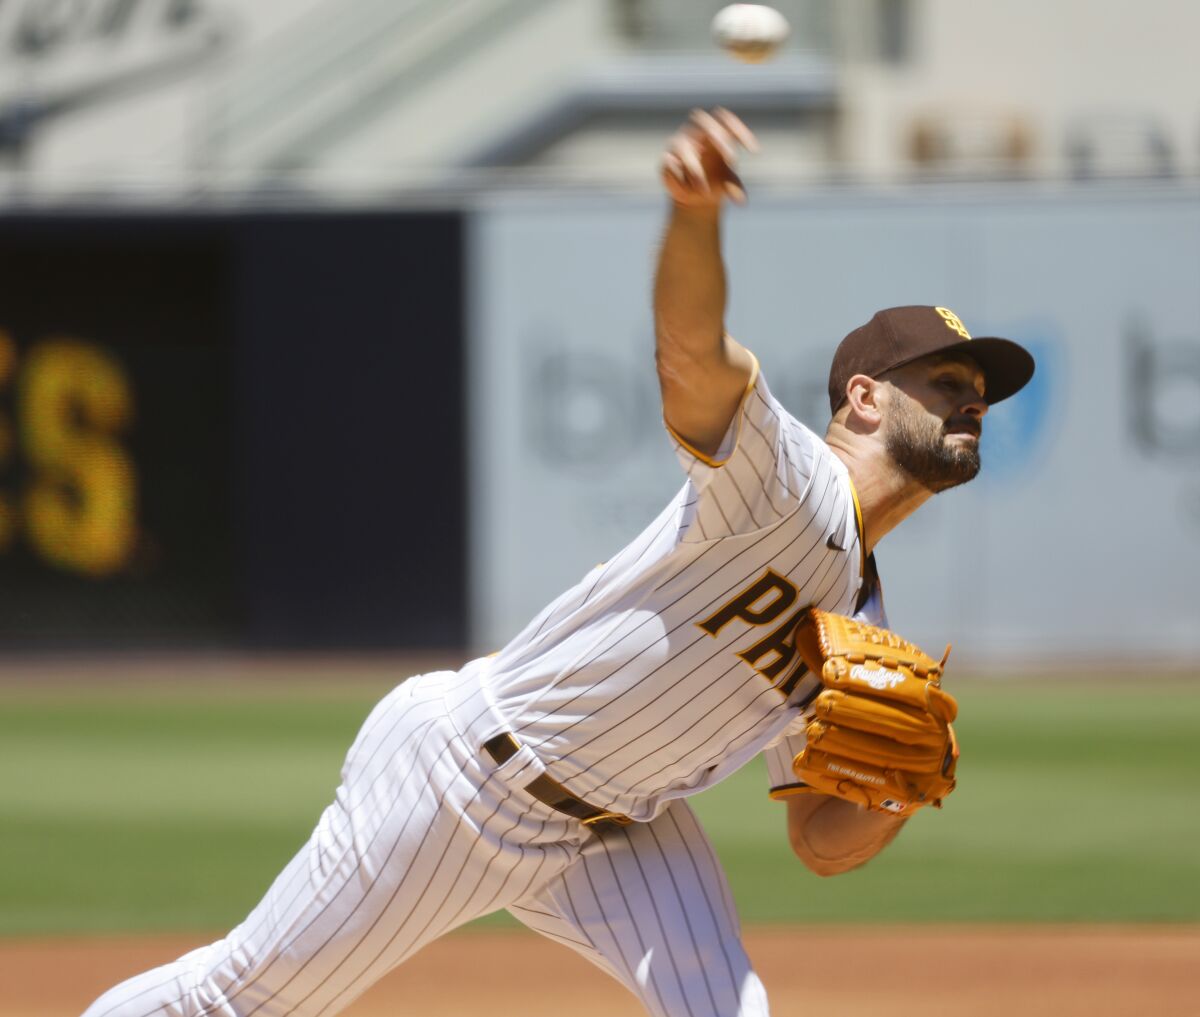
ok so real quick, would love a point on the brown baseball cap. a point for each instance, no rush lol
(900, 335)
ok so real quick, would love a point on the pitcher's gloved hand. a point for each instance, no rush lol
(880, 734)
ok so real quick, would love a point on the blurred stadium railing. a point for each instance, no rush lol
(186, 100)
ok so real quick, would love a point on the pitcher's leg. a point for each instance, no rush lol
(417, 841)
(649, 904)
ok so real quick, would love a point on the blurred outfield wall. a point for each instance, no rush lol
(1080, 540)
(231, 430)
(410, 429)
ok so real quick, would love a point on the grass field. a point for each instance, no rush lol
(154, 808)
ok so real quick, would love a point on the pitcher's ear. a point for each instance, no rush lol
(862, 396)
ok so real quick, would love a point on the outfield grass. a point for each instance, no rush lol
(172, 809)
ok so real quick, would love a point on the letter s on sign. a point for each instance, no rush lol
(79, 508)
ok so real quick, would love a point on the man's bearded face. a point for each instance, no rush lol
(922, 445)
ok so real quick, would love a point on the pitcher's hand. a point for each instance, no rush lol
(698, 163)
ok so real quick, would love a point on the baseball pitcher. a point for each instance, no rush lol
(552, 778)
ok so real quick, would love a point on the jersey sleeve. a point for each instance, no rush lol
(779, 755)
(759, 475)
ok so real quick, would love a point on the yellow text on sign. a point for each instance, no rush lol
(79, 509)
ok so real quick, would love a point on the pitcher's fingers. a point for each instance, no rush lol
(712, 129)
(671, 164)
(733, 124)
(684, 149)
(734, 187)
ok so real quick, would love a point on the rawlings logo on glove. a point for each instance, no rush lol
(877, 679)
(881, 733)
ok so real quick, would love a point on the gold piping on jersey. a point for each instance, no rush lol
(862, 531)
(737, 421)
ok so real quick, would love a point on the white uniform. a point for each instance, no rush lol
(659, 674)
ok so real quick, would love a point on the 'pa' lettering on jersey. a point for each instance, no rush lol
(759, 605)
(672, 664)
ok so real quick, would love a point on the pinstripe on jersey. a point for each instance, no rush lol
(618, 688)
(661, 672)
(422, 836)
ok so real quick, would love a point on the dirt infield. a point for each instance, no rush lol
(969, 971)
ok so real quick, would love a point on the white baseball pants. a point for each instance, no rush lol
(425, 834)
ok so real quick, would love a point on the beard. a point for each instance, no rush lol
(917, 444)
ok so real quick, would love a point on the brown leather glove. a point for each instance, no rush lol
(881, 733)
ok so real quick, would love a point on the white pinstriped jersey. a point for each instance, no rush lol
(671, 665)
(657, 675)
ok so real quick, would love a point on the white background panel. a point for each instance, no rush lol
(1083, 530)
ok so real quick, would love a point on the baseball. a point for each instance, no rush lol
(749, 32)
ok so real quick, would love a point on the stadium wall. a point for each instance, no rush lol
(237, 430)
(360, 430)
(1079, 541)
